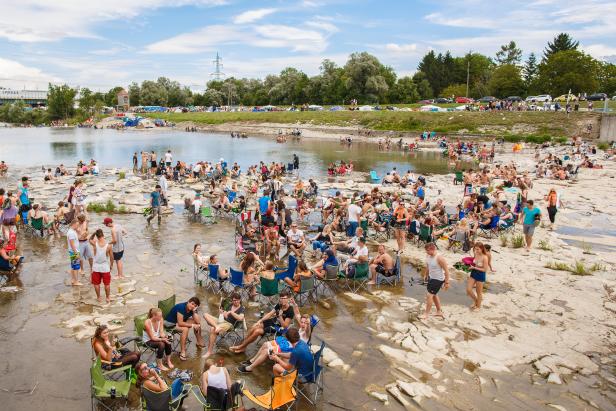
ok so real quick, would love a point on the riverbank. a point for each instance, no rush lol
(555, 124)
(543, 340)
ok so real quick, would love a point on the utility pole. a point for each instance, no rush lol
(468, 71)
(217, 74)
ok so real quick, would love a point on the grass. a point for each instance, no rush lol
(517, 241)
(541, 125)
(121, 175)
(504, 240)
(586, 248)
(108, 207)
(577, 268)
(603, 145)
(545, 245)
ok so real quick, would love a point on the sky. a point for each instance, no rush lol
(109, 43)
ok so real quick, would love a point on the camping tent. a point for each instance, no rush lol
(366, 108)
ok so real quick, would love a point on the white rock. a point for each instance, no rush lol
(554, 378)
(384, 398)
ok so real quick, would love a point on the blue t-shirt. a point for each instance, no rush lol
(421, 193)
(263, 204)
(529, 215)
(330, 261)
(155, 198)
(23, 197)
(172, 317)
(302, 359)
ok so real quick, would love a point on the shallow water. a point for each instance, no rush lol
(44, 367)
(112, 148)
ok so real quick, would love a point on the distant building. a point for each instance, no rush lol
(32, 98)
(123, 101)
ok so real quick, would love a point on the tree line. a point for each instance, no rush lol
(562, 67)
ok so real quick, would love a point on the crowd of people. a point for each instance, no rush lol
(270, 208)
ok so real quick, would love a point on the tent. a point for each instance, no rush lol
(336, 108)
(366, 108)
(460, 108)
(430, 107)
(314, 107)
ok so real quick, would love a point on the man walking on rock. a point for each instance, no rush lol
(436, 273)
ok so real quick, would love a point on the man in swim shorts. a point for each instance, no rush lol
(436, 273)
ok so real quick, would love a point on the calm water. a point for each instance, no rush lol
(112, 148)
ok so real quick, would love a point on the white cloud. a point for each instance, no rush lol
(401, 48)
(600, 50)
(32, 21)
(252, 15)
(468, 22)
(268, 36)
(16, 75)
(323, 25)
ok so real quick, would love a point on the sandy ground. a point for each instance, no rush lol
(559, 325)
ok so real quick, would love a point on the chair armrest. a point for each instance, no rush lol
(119, 369)
(126, 340)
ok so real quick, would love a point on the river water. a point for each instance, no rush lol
(45, 367)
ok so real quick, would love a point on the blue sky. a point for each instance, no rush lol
(115, 42)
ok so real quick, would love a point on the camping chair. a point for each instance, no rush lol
(374, 177)
(459, 178)
(287, 272)
(213, 281)
(268, 290)
(281, 394)
(139, 330)
(425, 234)
(491, 230)
(37, 227)
(167, 400)
(232, 337)
(166, 306)
(217, 399)
(329, 284)
(314, 321)
(236, 280)
(456, 242)
(360, 280)
(207, 216)
(103, 388)
(315, 378)
(307, 291)
(392, 279)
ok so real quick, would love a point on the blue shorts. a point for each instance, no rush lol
(478, 275)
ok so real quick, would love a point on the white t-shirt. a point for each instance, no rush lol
(168, 157)
(197, 205)
(354, 211)
(72, 235)
(295, 237)
(361, 251)
(197, 168)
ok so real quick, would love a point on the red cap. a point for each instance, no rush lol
(107, 220)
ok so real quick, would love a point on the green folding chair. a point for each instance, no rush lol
(104, 388)
(166, 306)
(268, 290)
(459, 178)
(206, 215)
(307, 291)
(360, 280)
(139, 330)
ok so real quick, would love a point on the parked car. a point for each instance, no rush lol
(442, 100)
(487, 99)
(426, 101)
(563, 98)
(597, 97)
(530, 99)
(463, 100)
(613, 98)
(514, 98)
(542, 98)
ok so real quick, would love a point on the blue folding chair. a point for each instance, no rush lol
(374, 177)
(213, 281)
(288, 271)
(314, 378)
(236, 279)
(491, 230)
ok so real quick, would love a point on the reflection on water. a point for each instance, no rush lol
(113, 148)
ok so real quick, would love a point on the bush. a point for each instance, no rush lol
(121, 175)
(538, 138)
(579, 268)
(513, 138)
(561, 140)
(557, 265)
(545, 245)
(517, 241)
(504, 240)
(108, 207)
(603, 145)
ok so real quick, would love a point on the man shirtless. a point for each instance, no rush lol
(381, 264)
(272, 243)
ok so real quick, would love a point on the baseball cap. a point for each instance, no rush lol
(107, 220)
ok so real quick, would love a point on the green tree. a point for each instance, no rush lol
(529, 75)
(366, 79)
(562, 42)
(111, 97)
(134, 94)
(456, 90)
(153, 94)
(569, 70)
(607, 78)
(506, 81)
(86, 100)
(424, 89)
(509, 54)
(60, 102)
(404, 91)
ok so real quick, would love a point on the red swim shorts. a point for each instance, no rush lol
(97, 277)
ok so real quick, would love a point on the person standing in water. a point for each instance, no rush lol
(103, 261)
(436, 273)
(117, 243)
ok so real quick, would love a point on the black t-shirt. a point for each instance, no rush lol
(288, 313)
(230, 319)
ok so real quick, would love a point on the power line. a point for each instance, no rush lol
(217, 74)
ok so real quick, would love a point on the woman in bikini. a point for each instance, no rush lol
(401, 215)
(474, 284)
